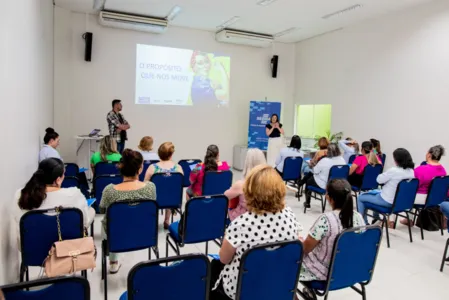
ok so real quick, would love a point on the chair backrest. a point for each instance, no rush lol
(354, 257)
(132, 225)
(186, 165)
(352, 158)
(100, 182)
(339, 172)
(204, 219)
(71, 169)
(67, 288)
(383, 157)
(437, 191)
(292, 168)
(169, 189)
(270, 271)
(185, 277)
(405, 195)
(216, 182)
(369, 181)
(39, 230)
(424, 163)
(70, 181)
(146, 164)
(106, 168)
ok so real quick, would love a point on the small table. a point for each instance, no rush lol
(85, 161)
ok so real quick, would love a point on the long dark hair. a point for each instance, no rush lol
(295, 142)
(403, 158)
(210, 160)
(339, 190)
(367, 148)
(50, 134)
(33, 194)
(376, 145)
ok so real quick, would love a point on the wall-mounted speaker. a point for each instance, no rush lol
(274, 66)
(88, 37)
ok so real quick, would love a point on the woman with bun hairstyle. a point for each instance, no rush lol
(131, 165)
(51, 142)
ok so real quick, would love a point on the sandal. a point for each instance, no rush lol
(114, 267)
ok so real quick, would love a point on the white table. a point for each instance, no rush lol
(84, 150)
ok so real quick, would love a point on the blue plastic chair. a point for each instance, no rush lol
(146, 164)
(169, 189)
(186, 165)
(100, 182)
(383, 157)
(336, 172)
(216, 182)
(131, 225)
(70, 181)
(403, 203)
(270, 271)
(352, 158)
(106, 168)
(71, 170)
(173, 278)
(39, 230)
(437, 194)
(353, 262)
(369, 181)
(445, 257)
(67, 288)
(292, 169)
(204, 220)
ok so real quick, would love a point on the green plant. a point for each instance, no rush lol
(332, 137)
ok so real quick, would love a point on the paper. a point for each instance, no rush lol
(214, 256)
(82, 170)
(90, 201)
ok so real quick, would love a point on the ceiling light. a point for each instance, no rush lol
(265, 2)
(337, 13)
(173, 13)
(229, 22)
(287, 31)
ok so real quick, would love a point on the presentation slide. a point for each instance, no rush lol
(172, 76)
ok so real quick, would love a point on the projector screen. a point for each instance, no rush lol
(172, 76)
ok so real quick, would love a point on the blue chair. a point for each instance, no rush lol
(270, 271)
(67, 288)
(169, 189)
(336, 172)
(445, 257)
(204, 220)
(383, 157)
(403, 203)
(146, 164)
(186, 165)
(71, 169)
(106, 168)
(100, 182)
(437, 194)
(352, 158)
(173, 278)
(130, 226)
(369, 181)
(424, 163)
(216, 182)
(70, 181)
(39, 230)
(353, 262)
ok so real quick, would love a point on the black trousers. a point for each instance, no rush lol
(218, 294)
(310, 182)
(355, 179)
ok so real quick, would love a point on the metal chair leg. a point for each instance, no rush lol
(27, 274)
(149, 253)
(207, 247)
(444, 256)
(385, 224)
(92, 229)
(409, 227)
(363, 292)
(22, 272)
(440, 223)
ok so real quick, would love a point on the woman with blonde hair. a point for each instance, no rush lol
(237, 202)
(357, 169)
(267, 220)
(108, 152)
(146, 147)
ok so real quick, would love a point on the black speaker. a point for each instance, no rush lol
(88, 37)
(274, 66)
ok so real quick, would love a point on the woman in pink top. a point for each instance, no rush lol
(368, 157)
(211, 163)
(237, 202)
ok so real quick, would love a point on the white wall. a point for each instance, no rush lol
(84, 90)
(385, 78)
(26, 94)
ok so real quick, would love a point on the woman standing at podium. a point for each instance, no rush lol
(274, 131)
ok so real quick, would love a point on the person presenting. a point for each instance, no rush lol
(118, 125)
(274, 131)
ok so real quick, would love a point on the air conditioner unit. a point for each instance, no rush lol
(132, 22)
(244, 38)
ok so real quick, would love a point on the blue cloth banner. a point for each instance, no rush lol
(259, 116)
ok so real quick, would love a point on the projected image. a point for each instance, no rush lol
(172, 76)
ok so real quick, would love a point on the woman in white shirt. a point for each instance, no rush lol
(145, 148)
(294, 150)
(350, 147)
(390, 180)
(51, 142)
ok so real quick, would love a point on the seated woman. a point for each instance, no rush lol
(131, 165)
(358, 166)
(322, 145)
(146, 147)
(264, 192)
(294, 150)
(43, 191)
(320, 173)
(320, 241)
(166, 165)
(390, 180)
(108, 152)
(51, 142)
(350, 147)
(254, 157)
(211, 163)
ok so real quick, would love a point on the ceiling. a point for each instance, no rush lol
(305, 15)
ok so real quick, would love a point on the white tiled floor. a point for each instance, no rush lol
(405, 271)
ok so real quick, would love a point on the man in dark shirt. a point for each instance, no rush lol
(118, 125)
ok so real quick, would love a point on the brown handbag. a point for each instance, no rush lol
(70, 256)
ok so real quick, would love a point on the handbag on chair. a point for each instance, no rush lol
(70, 256)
